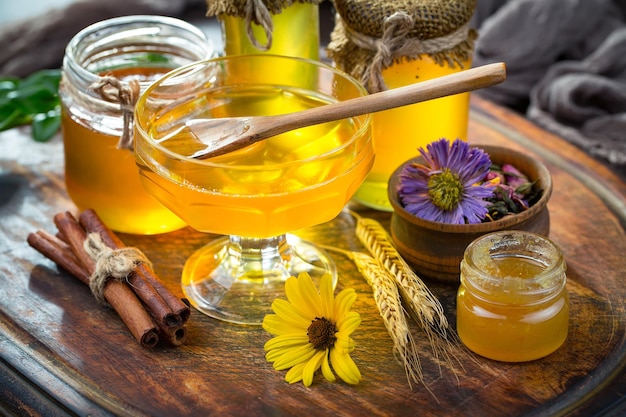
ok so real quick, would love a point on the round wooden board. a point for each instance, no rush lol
(81, 359)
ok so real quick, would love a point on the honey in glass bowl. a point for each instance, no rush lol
(258, 196)
(291, 181)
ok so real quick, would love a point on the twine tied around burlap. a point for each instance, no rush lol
(257, 12)
(370, 36)
(113, 90)
(110, 264)
(395, 43)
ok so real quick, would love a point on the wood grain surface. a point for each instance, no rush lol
(62, 354)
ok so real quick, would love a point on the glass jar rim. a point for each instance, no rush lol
(555, 268)
(76, 62)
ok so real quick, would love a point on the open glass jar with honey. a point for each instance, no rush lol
(105, 67)
(512, 304)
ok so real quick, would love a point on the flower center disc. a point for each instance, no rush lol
(445, 190)
(321, 333)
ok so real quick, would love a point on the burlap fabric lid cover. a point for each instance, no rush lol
(371, 35)
(258, 12)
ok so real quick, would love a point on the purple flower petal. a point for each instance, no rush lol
(469, 166)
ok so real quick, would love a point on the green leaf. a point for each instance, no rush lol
(45, 79)
(35, 100)
(46, 125)
(10, 118)
(7, 85)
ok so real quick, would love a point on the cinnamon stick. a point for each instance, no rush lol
(121, 298)
(129, 308)
(148, 309)
(58, 252)
(175, 336)
(74, 235)
(167, 309)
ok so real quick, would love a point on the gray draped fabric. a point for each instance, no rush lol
(566, 67)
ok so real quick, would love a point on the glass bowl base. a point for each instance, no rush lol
(235, 279)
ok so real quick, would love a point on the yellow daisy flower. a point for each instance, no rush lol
(313, 331)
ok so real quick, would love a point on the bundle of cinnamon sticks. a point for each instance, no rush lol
(149, 310)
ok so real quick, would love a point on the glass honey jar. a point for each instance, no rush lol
(106, 66)
(278, 27)
(394, 43)
(512, 304)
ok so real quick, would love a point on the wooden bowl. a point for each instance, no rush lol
(435, 249)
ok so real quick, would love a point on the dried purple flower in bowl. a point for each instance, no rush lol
(482, 201)
(449, 186)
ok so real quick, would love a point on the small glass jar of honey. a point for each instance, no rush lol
(102, 63)
(512, 304)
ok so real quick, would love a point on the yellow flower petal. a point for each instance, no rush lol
(276, 326)
(296, 296)
(344, 343)
(277, 353)
(349, 322)
(295, 374)
(286, 340)
(289, 314)
(310, 295)
(345, 367)
(311, 366)
(290, 357)
(326, 370)
(344, 301)
(327, 296)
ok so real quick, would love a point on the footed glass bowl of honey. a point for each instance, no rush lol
(512, 304)
(256, 196)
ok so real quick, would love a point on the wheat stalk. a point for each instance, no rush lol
(421, 303)
(390, 307)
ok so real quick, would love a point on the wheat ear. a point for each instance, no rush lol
(390, 307)
(421, 303)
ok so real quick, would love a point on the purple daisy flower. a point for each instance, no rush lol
(448, 187)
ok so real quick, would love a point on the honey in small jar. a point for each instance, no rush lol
(101, 64)
(512, 304)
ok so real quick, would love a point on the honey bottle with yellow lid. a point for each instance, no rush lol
(392, 43)
(279, 27)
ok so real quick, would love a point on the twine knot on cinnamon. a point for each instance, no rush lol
(113, 90)
(110, 263)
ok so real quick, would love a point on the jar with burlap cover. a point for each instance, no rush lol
(371, 35)
(257, 12)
